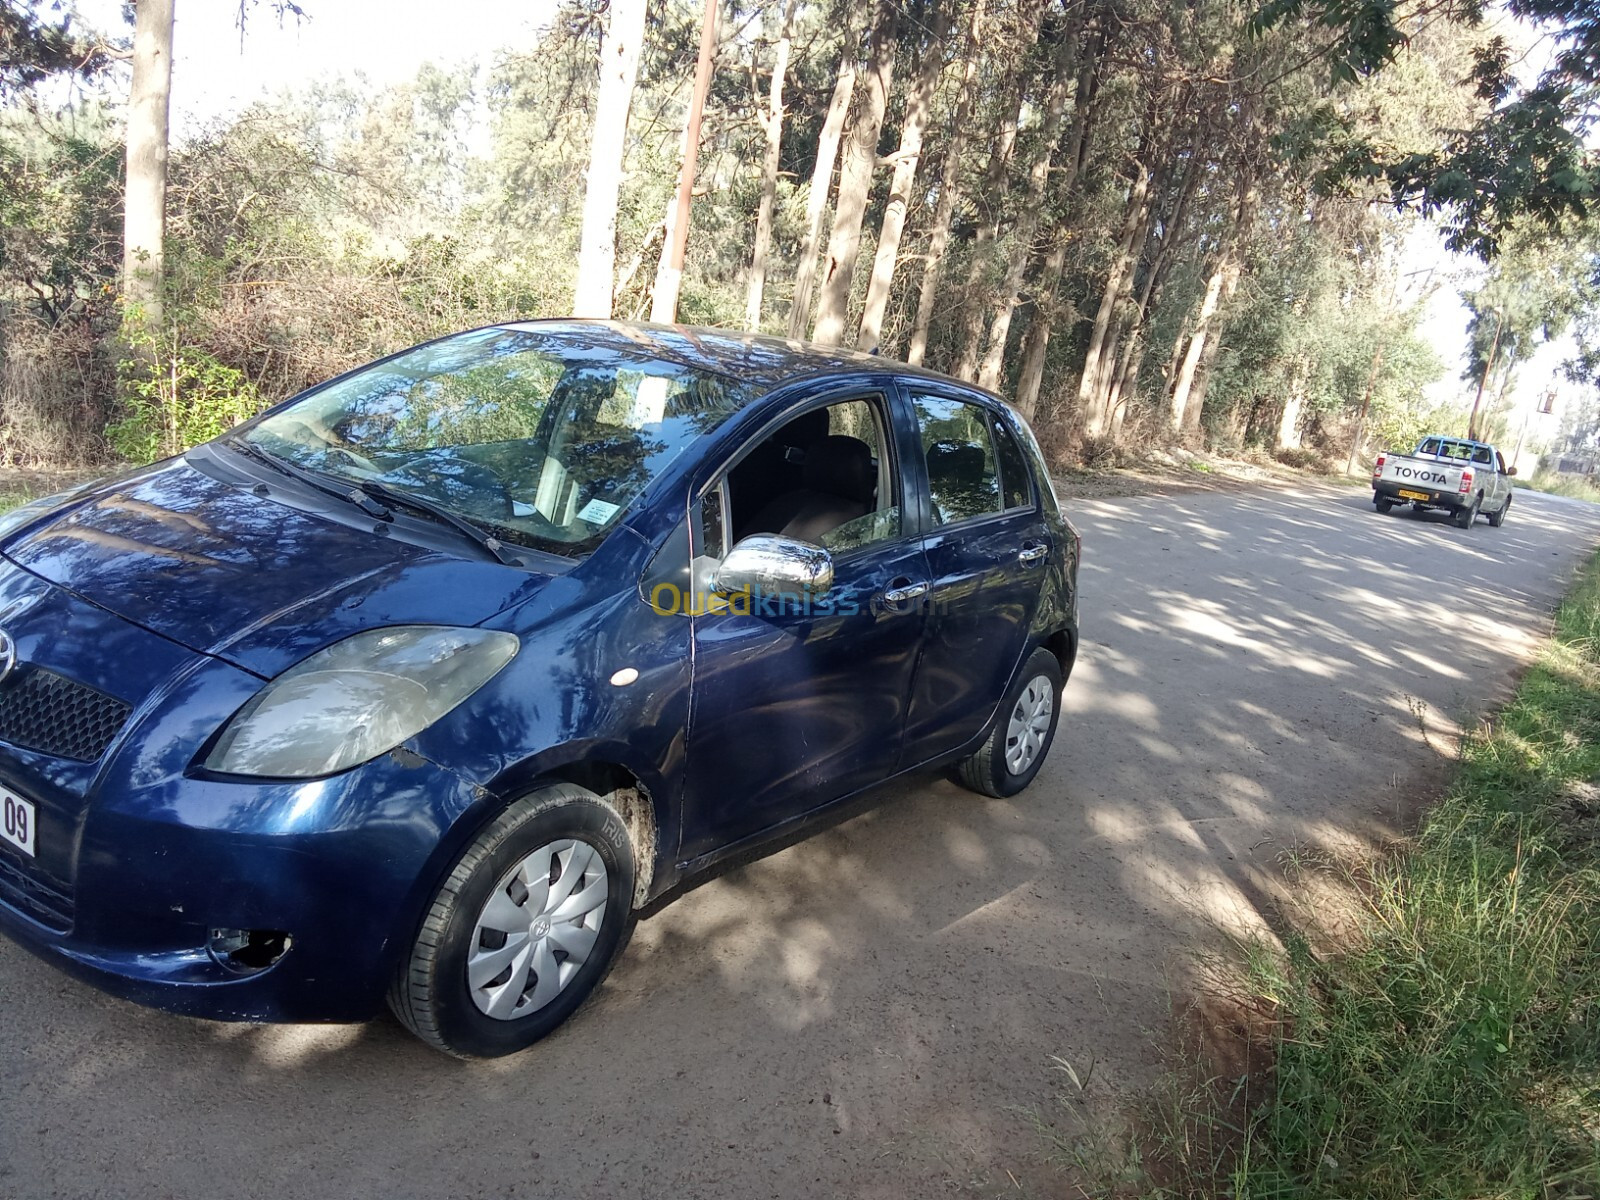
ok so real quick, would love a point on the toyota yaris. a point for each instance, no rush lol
(418, 686)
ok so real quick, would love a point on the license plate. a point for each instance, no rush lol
(1405, 495)
(17, 826)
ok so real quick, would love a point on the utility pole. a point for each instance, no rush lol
(669, 276)
(1494, 345)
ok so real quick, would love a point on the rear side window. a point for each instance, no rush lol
(1013, 472)
(963, 475)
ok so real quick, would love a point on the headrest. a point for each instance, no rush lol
(955, 462)
(841, 466)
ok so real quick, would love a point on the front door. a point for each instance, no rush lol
(799, 702)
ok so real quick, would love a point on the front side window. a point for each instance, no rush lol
(963, 477)
(543, 437)
(825, 477)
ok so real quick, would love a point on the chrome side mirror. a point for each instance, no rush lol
(770, 565)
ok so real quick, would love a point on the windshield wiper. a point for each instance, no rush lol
(381, 492)
(322, 483)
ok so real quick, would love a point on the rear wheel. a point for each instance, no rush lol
(1466, 516)
(523, 929)
(1382, 503)
(1498, 519)
(1022, 733)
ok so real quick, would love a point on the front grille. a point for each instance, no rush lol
(27, 893)
(50, 713)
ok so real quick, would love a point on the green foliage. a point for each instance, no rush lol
(175, 396)
(38, 41)
(1526, 157)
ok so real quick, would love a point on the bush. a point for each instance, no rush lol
(176, 397)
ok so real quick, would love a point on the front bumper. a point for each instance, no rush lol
(343, 866)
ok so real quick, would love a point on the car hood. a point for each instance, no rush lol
(260, 583)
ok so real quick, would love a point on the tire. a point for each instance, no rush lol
(988, 772)
(1466, 516)
(1497, 519)
(583, 843)
(1383, 504)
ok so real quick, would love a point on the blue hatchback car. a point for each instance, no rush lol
(420, 685)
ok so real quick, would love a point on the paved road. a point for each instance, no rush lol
(870, 1013)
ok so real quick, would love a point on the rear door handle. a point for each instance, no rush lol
(899, 595)
(1033, 553)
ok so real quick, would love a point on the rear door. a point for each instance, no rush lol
(987, 544)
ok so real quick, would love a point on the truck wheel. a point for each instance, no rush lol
(1466, 516)
(1498, 519)
(1382, 503)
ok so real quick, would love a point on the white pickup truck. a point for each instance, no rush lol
(1458, 475)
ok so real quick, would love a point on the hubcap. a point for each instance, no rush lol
(1029, 724)
(537, 929)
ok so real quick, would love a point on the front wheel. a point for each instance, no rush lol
(1497, 519)
(523, 929)
(1022, 733)
(1466, 516)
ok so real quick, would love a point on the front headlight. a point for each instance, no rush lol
(358, 699)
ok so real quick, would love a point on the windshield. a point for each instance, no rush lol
(1461, 451)
(541, 437)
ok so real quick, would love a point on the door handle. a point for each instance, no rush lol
(899, 595)
(1033, 553)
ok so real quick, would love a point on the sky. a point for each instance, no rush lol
(216, 73)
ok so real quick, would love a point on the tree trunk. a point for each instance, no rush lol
(769, 172)
(1091, 392)
(1188, 388)
(855, 182)
(144, 214)
(996, 186)
(949, 188)
(1032, 209)
(1208, 354)
(996, 190)
(822, 176)
(1036, 342)
(906, 159)
(669, 270)
(597, 244)
(1183, 383)
(1033, 202)
(1119, 379)
(1288, 437)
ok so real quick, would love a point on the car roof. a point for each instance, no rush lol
(748, 358)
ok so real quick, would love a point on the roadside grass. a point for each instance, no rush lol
(1442, 1041)
(9, 499)
(1575, 487)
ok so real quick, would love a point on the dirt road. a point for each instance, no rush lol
(870, 1012)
